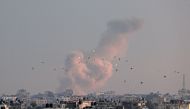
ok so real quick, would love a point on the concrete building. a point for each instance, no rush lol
(39, 102)
(3, 106)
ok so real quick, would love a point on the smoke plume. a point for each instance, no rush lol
(86, 72)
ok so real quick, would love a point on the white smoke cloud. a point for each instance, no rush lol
(86, 73)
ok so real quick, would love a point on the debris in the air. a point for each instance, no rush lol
(119, 59)
(103, 59)
(132, 68)
(33, 68)
(114, 57)
(116, 65)
(93, 50)
(66, 70)
(54, 69)
(176, 72)
(165, 76)
(141, 82)
(124, 81)
(116, 70)
(42, 62)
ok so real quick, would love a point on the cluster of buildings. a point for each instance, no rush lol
(103, 100)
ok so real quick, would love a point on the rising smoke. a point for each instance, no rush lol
(86, 72)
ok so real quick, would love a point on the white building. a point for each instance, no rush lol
(3, 106)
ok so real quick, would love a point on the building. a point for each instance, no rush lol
(40, 102)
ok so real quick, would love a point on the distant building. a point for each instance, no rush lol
(10, 102)
(9, 97)
(85, 104)
(184, 93)
(40, 102)
(3, 106)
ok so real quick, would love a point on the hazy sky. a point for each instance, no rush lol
(35, 31)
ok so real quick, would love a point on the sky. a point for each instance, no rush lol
(32, 32)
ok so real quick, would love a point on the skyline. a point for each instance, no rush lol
(41, 35)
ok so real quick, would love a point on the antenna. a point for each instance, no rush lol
(183, 81)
